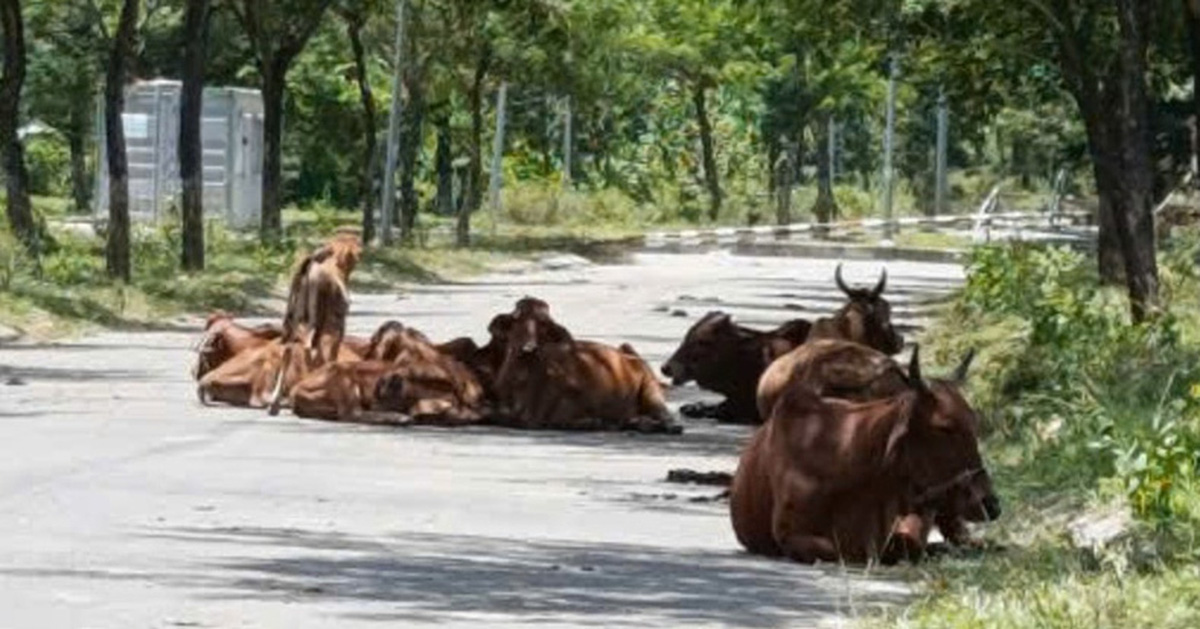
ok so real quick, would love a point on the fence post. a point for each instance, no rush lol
(943, 132)
(498, 152)
(889, 180)
(393, 140)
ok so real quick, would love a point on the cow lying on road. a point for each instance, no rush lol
(727, 358)
(550, 380)
(828, 479)
(225, 338)
(248, 378)
(375, 391)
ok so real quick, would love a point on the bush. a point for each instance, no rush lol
(1059, 351)
(49, 162)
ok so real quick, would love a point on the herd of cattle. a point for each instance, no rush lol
(856, 458)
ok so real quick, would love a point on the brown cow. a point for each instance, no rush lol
(318, 302)
(248, 378)
(826, 479)
(866, 319)
(727, 358)
(225, 338)
(550, 380)
(853, 372)
(375, 391)
(403, 346)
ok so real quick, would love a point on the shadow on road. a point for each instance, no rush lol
(430, 576)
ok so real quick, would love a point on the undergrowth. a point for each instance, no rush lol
(1086, 416)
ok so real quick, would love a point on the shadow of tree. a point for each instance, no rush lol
(433, 577)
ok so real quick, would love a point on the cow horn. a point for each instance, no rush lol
(914, 368)
(878, 290)
(960, 372)
(841, 283)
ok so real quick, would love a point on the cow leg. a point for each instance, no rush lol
(699, 410)
(794, 535)
(277, 390)
(907, 540)
(954, 530)
(730, 412)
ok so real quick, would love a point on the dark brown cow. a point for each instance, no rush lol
(249, 377)
(727, 358)
(225, 338)
(318, 303)
(827, 479)
(866, 319)
(550, 380)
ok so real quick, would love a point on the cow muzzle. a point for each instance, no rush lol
(991, 508)
(675, 372)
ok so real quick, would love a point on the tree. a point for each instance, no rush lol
(355, 16)
(1191, 10)
(191, 154)
(278, 30)
(122, 44)
(20, 211)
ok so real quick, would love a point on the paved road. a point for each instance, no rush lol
(123, 504)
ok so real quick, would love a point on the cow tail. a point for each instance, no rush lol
(297, 300)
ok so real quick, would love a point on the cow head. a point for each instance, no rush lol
(389, 394)
(532, 326)
(867, 318)
(346, 248)
(936, 440)
(393, 339)
(708, 348)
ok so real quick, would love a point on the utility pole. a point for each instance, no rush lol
(943, 131)
(393, 139)
(498, 152)
(889, 177)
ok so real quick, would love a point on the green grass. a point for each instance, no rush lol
(70, 292)
(1083, 414)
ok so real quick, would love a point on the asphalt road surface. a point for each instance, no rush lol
(124, 504)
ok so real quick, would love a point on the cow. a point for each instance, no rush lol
(248, 378)
(406, 347)
(849, 371)
(381, 392)
(866, 319)
(225, 338)
(548, 379)
(318, 302)
(727, 358)
(827, 479)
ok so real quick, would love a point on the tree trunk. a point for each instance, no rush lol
(410, 147)
(1135, 208)
(274, 71)
(711, 176)
(784, 168)
(1111, 264)
(354, 26)
(444, 163)
(117, 250)
(191, 149)
(825, 208)
(1192, 11)
(19, 209)
(81, 188)
(473, 194)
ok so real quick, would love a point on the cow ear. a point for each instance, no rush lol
(558, 334)
(500, 325)
(960, 372)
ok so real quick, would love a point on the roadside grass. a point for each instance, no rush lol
(1087, 418)
(68, 292)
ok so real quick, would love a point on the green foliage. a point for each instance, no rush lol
(48, 162)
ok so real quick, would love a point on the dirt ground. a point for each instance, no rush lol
(125, 504)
